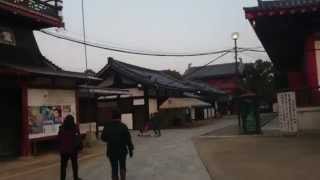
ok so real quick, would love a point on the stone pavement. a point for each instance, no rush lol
(170, 157)
(261, 157)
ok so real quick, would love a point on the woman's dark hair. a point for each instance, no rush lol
(68, 123)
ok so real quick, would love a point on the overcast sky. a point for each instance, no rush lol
(172, 26)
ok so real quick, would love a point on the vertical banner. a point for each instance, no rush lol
(288, 112)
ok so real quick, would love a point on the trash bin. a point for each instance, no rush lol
(249, 114)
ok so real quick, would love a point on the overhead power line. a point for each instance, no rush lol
(136, 52)
(251, 49)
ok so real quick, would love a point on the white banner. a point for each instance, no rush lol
(288, 112)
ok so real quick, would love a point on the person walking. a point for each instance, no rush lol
(69, 146)
(119, 144)
(155, 125)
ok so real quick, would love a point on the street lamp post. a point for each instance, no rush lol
(235, 37)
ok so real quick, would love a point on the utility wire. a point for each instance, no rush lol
(131, 51)
(251, 49)
(253, 57)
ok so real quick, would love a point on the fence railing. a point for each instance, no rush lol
(49, 7)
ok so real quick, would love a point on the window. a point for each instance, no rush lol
(7, 36)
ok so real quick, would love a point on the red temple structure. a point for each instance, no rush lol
(221, 76)
(35, 93)
(289, 31)
(35, 14)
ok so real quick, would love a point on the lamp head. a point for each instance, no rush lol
(235, 36)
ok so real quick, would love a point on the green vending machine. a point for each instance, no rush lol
(249, 114)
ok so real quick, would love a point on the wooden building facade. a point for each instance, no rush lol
(147, 88)
(35, 93)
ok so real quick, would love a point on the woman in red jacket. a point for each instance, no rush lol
(69, 146)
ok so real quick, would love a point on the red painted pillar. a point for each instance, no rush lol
(311, 62)
(312, 70)
(25, 142)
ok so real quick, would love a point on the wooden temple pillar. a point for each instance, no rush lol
(146, 104)
(25, 148)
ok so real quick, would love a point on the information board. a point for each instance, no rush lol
(46, 110)
(287, 112)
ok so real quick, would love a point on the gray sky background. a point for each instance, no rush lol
(172, 26)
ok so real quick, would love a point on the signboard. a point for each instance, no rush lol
(47, 109)
(288, 112)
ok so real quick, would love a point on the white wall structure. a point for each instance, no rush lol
(309, 119)
(205, 112)
(138, 102)
(193, 113)
(127, 119)
(153, 106)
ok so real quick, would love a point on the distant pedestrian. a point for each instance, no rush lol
(144, 131)
(69, 146)
(155, 124)
(119, 144)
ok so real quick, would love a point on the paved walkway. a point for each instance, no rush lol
(170, 157)
(262, 158)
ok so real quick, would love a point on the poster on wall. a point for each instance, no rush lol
(47, 119)
(46, 110)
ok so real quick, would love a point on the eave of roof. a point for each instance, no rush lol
(282, 7)
(40, 20)
(102, 91)
(176, 103)
(144, 76)
(149, 77)
(49, 72)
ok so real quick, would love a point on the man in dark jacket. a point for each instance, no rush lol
(119, 144)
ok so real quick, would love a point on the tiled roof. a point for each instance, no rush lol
(149, 77)
(212, 71)
(205, 87)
